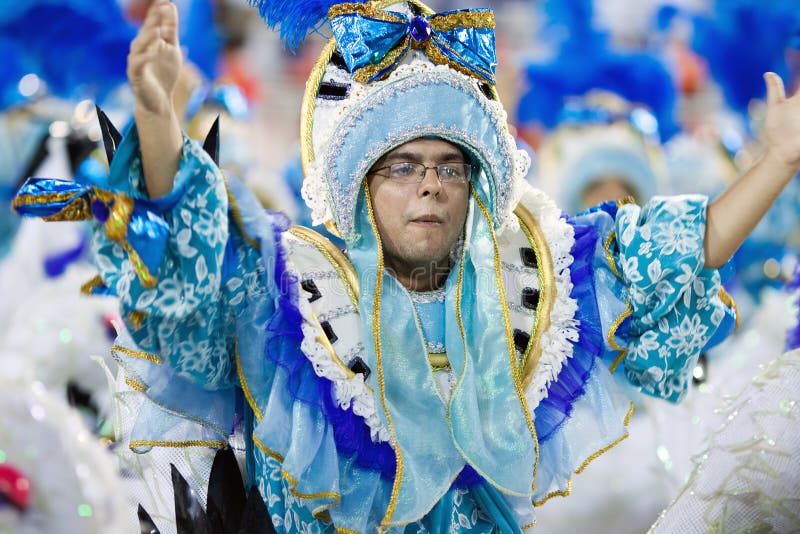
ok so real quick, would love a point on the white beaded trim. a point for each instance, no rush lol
(557, 341)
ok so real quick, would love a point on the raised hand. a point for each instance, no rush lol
(154, 66)
(154, 61)
(734, 213)
(782, 126)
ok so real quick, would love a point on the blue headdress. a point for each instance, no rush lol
(737, 62)
(585, 62)
(78, 47)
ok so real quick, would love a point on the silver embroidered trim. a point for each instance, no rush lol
(319, 275)
(435, 347)
(357, 350)
(337, 312)
(428, 297)
(513, 306)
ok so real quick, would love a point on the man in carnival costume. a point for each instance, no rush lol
(451, 369)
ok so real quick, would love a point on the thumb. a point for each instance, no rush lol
(775, 91)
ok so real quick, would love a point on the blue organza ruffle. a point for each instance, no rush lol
(555, 409)
(284, 335)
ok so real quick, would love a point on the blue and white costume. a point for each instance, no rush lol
(365, 406)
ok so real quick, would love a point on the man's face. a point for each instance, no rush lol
(419, 223)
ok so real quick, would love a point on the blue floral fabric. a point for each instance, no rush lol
(206, 316)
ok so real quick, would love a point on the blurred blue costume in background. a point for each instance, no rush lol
(363, 404)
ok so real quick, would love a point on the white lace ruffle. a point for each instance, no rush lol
(557, 340)
(346, 391)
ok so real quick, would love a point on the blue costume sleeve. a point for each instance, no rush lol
(206, 273)
(659, 306)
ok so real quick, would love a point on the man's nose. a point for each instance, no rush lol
(430, 184)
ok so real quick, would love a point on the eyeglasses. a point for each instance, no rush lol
(408, 172)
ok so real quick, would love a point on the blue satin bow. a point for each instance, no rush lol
(134, 224)
(373, 42)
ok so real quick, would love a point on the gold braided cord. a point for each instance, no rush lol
(463, 19)
(179, 444)
(547, 291)
(555, 493)
(91, 285)
(137, 354)
(610, 256)
(237, 216)
(529, 525)
(337, 259)
(608, 447)
(266, 450)
(613, 332)
(322, 495)
(136, 386)
(245, 387)
(512, 355)
(376, 336)
(309, 104)
(559, 493)
(341, 530)
(727, 300)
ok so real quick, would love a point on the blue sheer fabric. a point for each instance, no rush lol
(225, 316)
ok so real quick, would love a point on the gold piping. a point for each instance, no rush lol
(342, 530)
(565, 493)
(137, 354)
(335, 257)
(727, 300)
(512, 353)
(613, 331)
(608, 447)
(293, 482)
(245, 388)
(323, 340)
(529, 525)
(266, 450)
(547, 290)
(376, 335)
(237, 216)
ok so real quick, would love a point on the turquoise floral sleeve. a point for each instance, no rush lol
(673, 305)
(206, 275)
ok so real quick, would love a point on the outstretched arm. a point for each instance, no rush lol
(154, 64)
(734, 214)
